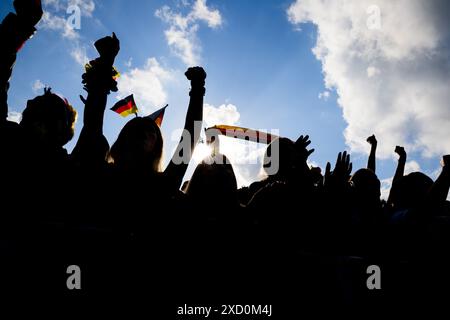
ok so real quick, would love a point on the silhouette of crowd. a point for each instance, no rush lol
(302, 234)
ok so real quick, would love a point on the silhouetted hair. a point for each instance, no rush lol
(214, 182)
(52, 114)
(287, 156)
(366, 183)
(410, 190)
(139, 145)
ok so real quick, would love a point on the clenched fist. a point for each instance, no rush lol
(29, 11)
(197, 76)
(401, 152)
(372, 140)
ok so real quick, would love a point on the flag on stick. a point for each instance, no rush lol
(125, 107)
(158, 116)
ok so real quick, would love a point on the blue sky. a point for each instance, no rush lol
(260, 63)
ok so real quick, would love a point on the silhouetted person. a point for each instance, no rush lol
(117, 212)
(92, 148)
(213, 189)
(285, 162)
(135, 159)
(15, 30)
(35, 148)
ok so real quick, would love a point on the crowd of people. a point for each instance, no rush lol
(303, 234)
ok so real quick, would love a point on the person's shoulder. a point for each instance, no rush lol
(257, 185)
(9, 125)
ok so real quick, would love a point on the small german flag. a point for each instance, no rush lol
(158, 116)
(125, 107)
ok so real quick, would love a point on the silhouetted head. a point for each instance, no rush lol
(366, 186)
(316, 175)
(282, 155)
(410, 190)
(139, 146)
(213, 184)
(49, 120)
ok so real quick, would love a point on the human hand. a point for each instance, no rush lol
(29, 11)
(372, 140)
(108, 47)
(401, 152)
(301, 144)
(343, 167)
(197, 76)
(342, 170)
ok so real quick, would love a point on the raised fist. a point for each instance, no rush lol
(197, 76)
(29, 11)
(401, 152)
(372, 140)
(108, 47)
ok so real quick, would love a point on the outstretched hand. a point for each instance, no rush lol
(372, 140)
(301, 144)
(343, 167)
(29, 11)
(342, 170)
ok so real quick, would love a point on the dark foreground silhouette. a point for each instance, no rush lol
(297, 239)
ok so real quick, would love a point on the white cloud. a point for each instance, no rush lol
(324, 95)
(224, 114)
(386, 187)
(87, 7)
(411, 166)
(57, 23)
(129, 63)
(53, 4)
(392, 81)
(37, 86)
(147, 85)
(372, 71)
(435, 173)
(183, 3)
(79, 54)
(203, 13)
(246, 157)
(58, 19)
(182, 33)
(15, 116)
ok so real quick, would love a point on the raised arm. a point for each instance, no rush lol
(372, 156)
(92, 146)
(399, 172)
(439, 190)
(178, 165)
(338, 180)
(15, 30)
